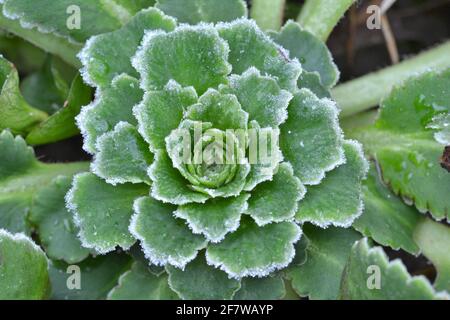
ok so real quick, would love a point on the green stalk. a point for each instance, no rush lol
(321, 16)
(268, 14)
(363, 93)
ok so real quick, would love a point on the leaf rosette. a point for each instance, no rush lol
(211, 149)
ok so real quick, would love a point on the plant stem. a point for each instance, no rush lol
(268, 14)
(321, 16)
(366, 92)
(48, 42)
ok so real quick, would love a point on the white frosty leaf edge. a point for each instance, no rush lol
(152, 254)
(23, 238)
(258, 272)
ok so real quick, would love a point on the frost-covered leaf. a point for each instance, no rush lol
(253, 250)
(338, 199)
(311, 81)
(312, 53)
(214, 218)
(386, 218)
(199, 281)
(195, 11)
(61, 124)
(55, 225)
(311, 139)
(327, 252)
(191, 55)
(161, 111)
(434, 241)
(403, 144)
(366, 264)
(96, 278)
(107, 55)
(17, 114)
(268, 288)
(276, 200)
(260, 96)
(23, 268)
(251, 47)
(111, 105)
(164, 238)
(139, 283)
(123, 156)
(103, 212)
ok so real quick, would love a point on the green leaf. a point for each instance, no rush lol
(139, 283)
(123, 156)
(434, 240)
(268, 14)
(103, 212)
(161, 111)
(327, 252)
(338, 199)
(386, 219)
(45, 89)
(199, 281)
(107, 55)
(366, 263)
(216, 217)
(17, 114)
(250, 47)
(244, 252)
(23, 268)
(276, 200)
(311, 139)
(61, 125)
(55, 226)
(112, 105)
(311, 81)
(97, 277)
(312, 53)
(269, 288)
(260, 96)
(195, 11)
(164, 238)
(404, 146)
(198, 58)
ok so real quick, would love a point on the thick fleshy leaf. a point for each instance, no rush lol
(61, 124)
(97, 276)
(402, 142)
(168, 185)
(251, 47)
(327, 252)
(195, 11)
(260, 96)
(108, 55)
(255, 251)
(434, 241)
(199, 281)
(17, 114)
(123, 156)
(309, 50)
(103, 212)
(223, 111)
(311, 139)
(214, 218)
(139, 283)
(191, 55)
(160, 112)
(338, 199)
(269, 288)
(386, 218)
(164, 238)
(276, 200)
(366, 264)
(54, 222)
(23, 268)
(111, 105)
